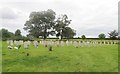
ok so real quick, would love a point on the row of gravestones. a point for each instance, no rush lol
(58, 43)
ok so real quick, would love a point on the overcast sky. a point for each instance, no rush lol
(89, 17)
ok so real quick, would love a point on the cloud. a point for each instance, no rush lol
(89, 17)
(8, 13)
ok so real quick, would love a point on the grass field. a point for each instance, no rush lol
(0, 57)
(103, 58)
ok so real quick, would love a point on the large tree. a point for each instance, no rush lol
(102, 36)
(40, 23)
(113, 34)
(62, 28)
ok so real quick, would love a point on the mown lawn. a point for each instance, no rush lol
(103, 58)
(0, 56)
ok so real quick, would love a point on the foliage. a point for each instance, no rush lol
(62, 24)
(44, 23)
(113, 34)
(102, 36)
(18, 33)
(83, 37)
(5, 34)
(40, 22)
(119, 37)
(68, 32)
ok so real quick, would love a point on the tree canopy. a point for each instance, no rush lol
(62, 24)
(5, 34)
(18, 33)
(113, 34)
(102, 36)
(44, 23)
(40, 22)
(83, 37)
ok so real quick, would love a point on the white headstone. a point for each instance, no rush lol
(62, 43)
(8, 41)
(67, 43)
(75, 44)
(95, 44)
(57, 43)
(82, 44)
(88, 43)
(35, 44)
(25, 45)
(11, 42)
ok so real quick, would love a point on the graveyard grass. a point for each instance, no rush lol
(103, 58)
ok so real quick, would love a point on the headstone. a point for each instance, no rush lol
(28, 42)
(57, 43)
(100, 42)
(95, 44)
(8, 41)
(104, 42)
(109, 42)
(26, 45)
(15, 42)
(35, 44)
(82, 43)
(21, 42)
(50, 48)
(11, 42)
(51, 43)
(75, 44)
(113, 42)
(71, 42)
(45, 43)
(79, 43)
(62, 43)
(67, 43)
(88, 43)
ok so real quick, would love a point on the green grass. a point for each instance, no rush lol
(0, 56)
(103, 58)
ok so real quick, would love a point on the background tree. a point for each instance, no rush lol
(113, 34)
(83, 37)
(5, 34)
(62, 29)
(68, 32)
(102, 36)
(40, 22)
(119, 37)
(18, 33)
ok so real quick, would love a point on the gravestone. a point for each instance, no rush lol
(11, 42)
(88, 43)
(82, 43)
(50, 45)
(75, 44)
(26, 45)
(67, 43)
(35, 44)
(8, 41)
(62, 43)
(95, 43)
(57, 43)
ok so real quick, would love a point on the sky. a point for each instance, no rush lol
(89, 17)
